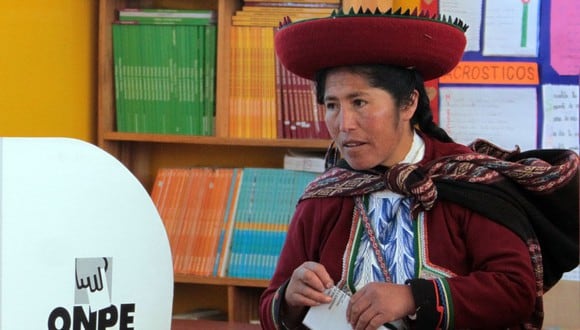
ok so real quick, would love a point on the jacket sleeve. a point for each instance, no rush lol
(318, 232)
(495, 288)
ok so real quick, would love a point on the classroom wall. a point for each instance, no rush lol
(48, 68)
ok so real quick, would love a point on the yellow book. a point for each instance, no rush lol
(245, 78)
(253, 73)
(270, 81)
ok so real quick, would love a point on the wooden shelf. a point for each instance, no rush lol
(183, 278)
(211, 140)
(144, 154)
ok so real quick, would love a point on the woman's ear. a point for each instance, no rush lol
(409, 110)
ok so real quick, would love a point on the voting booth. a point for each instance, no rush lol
(82, 245)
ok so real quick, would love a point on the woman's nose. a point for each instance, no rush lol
(347, 119)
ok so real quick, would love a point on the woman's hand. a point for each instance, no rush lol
(378, 303)
(307, 285)
(305, 288)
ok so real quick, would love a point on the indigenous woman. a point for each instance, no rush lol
(419, 231)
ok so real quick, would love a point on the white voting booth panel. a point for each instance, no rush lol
(82, 245)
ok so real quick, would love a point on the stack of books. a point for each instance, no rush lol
(227, 222)
(265, 100)
(164, 68)
(299, 116)
(305, 161)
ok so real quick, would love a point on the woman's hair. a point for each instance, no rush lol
(400, 83)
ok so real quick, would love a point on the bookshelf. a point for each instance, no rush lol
(143, 154)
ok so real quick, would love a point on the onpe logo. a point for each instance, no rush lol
(93, 281)
(94, 309)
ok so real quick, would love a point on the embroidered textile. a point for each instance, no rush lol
(390, 217)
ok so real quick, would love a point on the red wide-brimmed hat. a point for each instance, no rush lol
(433, 45)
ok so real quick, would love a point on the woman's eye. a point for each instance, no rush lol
(330, 106)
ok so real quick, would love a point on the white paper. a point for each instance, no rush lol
(573, 275)
(100, 299)
(331, 315)
(560, 124)
(469, 12)
(511, 28)
(506, 117)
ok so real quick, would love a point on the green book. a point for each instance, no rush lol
(186, 63)
(209, 79)
(127, 68)
(142, 60)
(168, 16)
(119, 80)
(164, 78)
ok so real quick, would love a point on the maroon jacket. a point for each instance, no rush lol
(477, 273)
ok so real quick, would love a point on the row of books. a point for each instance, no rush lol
(252, 107)
(227, 222)
(164, 68)
(299, 116)
(266, 100)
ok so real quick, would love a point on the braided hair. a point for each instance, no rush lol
(400, 83)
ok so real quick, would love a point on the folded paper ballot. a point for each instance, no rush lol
(333, 314)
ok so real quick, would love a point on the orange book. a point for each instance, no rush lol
(159, 189)
(228, 222)
(219, 197)
(207, 207)
(206, 220)
(191, 206)
(159, 193)
(176, 193)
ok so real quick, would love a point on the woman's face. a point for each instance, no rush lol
(364, 122)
